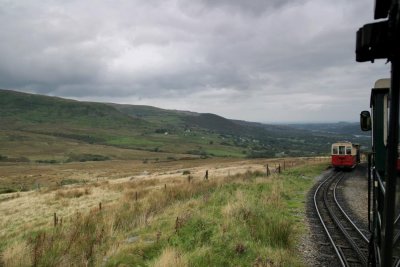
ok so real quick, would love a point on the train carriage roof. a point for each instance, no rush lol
(382, 83)
(381, 87)
(342, 143)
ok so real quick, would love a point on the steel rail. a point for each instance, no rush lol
(338, 253)
(397, 236)
(345, 214)
(327, 197)
(342, 228)
(345, 232)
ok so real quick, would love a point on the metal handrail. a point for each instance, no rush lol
(380, 182)
(379, 220)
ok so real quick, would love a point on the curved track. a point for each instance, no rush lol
(347, 240)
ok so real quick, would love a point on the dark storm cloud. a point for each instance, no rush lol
(236, 56)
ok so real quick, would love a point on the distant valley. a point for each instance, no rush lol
(50, 129)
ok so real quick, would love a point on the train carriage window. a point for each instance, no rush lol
(341, 150)
(348, 150)
(335, 150)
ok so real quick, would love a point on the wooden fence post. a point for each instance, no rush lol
(55, 219)
(136, 195)
(99, 206)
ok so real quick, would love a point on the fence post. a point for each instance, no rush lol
(55, 219)
(136, 195)
(158, 236)
(279, 168)
(99, 206)
(176, 224)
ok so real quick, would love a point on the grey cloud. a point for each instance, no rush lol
(256, 7)
(184, 51)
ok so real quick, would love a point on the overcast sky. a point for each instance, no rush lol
(256, 60)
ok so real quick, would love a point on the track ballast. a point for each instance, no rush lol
(345, 244)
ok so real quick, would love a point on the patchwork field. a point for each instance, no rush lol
(120, 208)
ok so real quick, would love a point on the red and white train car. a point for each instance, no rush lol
(345, 155)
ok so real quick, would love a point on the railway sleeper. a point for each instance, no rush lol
(344, 247)
(319, 235)
(332, 228)
(342, 255)
(324, 244)
(350, 260)
(327, 256)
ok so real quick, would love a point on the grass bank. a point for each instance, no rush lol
(242, 220)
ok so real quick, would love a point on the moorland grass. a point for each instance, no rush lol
(241, 220)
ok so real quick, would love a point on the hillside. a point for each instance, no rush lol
(23, 111)
(34, 121)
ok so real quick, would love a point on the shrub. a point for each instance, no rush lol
(19, 159)
(7, 190)
(161, 131)
(74, 193)
(70, 181)
(51, 161)
(87, 157)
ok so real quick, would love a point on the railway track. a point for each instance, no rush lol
(349, 243)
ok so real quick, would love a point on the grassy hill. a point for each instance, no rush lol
(23, 111)
(28, 120)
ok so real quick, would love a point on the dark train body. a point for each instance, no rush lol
(381, 40)
(384, 211)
